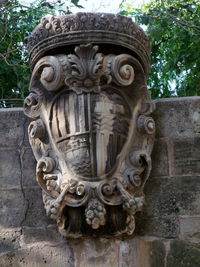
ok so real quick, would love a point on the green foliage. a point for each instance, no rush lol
(17, 21)
(174, 27)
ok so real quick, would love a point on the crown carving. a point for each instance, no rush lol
(54, 32)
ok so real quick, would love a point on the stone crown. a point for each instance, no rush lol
(102, 28)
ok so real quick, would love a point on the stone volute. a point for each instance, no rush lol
(91, 134)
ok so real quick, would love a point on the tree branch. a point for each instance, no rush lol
(5, 59)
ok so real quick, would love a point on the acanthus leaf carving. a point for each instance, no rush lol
(85, 69)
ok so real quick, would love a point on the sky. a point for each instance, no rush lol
(110, 6)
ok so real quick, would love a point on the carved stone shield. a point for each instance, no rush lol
(90, 130)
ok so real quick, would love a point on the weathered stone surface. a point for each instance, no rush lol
(157, 254)
(160, 162)
(99, 252)
(13, 208)
(183, 254)
(13, 125)
(173, 196)
(175, 117)
(130, 253)
(190, 227)
(35, 213)
(187, 156)
(9, 239)
(39, 254)
(29, 164)
(32, 235)
(161, 226)
(116, 253)
(10, 174)
(96, 252)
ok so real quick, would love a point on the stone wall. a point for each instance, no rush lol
(167, 231)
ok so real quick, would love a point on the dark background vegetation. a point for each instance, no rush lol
(174, 27)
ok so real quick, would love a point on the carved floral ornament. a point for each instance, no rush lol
(92, 134)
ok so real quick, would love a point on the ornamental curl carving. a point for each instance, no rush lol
(92, 136)
(122, 69)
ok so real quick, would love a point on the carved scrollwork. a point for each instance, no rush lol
(122, 69)
(92, 133)
(36, 129)
(108, 193)
(49, 71)
(146, 125)
(32, 105)
(77, 193)
(44, 166)
(136, 169)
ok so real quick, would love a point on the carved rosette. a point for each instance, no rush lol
(92, 136)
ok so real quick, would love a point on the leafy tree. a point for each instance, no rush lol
(17, 21)
(174, 27)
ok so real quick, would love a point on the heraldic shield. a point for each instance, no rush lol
(90, 130)
(91, 133)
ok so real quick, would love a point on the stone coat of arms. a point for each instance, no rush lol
(91, 134)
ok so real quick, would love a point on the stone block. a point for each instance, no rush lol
(96, 252)
(175, 117)
(12, 208)
(41, 234)
(35, 215)
(187, 156)
(103, 252)
(13, 128)
(153, 252)
(163, 226)
(10, 169)
(183, 254)
(26, 138)
(190, 227)
(172, 196)
(90, 252)
(157, 254)
(40, 254)
(29, 167)
(9, 239)
(160, 164)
